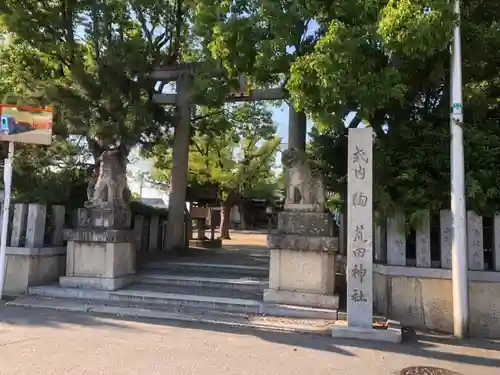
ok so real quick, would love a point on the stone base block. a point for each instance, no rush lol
(391, 334)
(107, 260)
(307, 272)
(26, 267)
(306, 223)
(288, 241)
(289, 297)
(113, 217)
(304, 207)
(96, 283)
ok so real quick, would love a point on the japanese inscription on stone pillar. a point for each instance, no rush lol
(360, 228)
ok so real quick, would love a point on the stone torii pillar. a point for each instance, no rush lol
(297, 127)
(180, 156)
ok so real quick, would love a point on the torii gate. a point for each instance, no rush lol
(183, 75)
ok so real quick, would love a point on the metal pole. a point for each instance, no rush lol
(7, 178)
(458, 210)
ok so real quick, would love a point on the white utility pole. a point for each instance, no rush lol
(7, 179)
(458, 209)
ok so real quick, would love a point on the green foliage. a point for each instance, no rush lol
(259, 38)
(52, 174)
(99, 54)
(388, 62)
(236, 153)
(334, 204)
(90, 60)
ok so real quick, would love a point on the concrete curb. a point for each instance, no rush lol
(228, 320)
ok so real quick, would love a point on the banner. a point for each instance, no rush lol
(25, 124)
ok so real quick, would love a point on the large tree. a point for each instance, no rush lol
(101, 53)
(389, 64)
(233, 150)
(54, 174)
(260, 39)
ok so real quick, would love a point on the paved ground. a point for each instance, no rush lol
(245, 248)
(246, 237)
(47, 342)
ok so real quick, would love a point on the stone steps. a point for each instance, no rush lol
(199, 291)
(187, 291)
(166, 299)
(135, 295)
(249, 284)
(209, 268)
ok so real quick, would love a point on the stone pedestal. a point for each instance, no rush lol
(302, 264)
(101, 253)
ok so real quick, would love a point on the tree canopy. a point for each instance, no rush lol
(385, 63)
(91, 60)
(238, 158)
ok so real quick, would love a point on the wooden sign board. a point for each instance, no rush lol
(199, 212)
(25, 124)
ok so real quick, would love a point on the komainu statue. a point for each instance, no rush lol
(110, 188)
(304, 185)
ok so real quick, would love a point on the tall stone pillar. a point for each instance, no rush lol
(297, 129)
(359, 271)
(175, 239)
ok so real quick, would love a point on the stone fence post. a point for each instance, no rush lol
(58, 221)
(35, 230)
(30, 260)
(396, 240)
(18, 224)
(154, 227)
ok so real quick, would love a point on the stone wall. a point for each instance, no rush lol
(412, 277)
(422, 298)
(35, 252)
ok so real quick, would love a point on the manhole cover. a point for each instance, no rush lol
(426, 370)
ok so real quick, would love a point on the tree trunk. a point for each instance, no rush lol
(225, 215)
(178, 183)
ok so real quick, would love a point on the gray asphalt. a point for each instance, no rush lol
(48, 342)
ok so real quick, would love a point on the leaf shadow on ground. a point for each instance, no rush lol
(425, 346)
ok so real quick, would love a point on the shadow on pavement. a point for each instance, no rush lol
(18, 316)
(425, 346)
